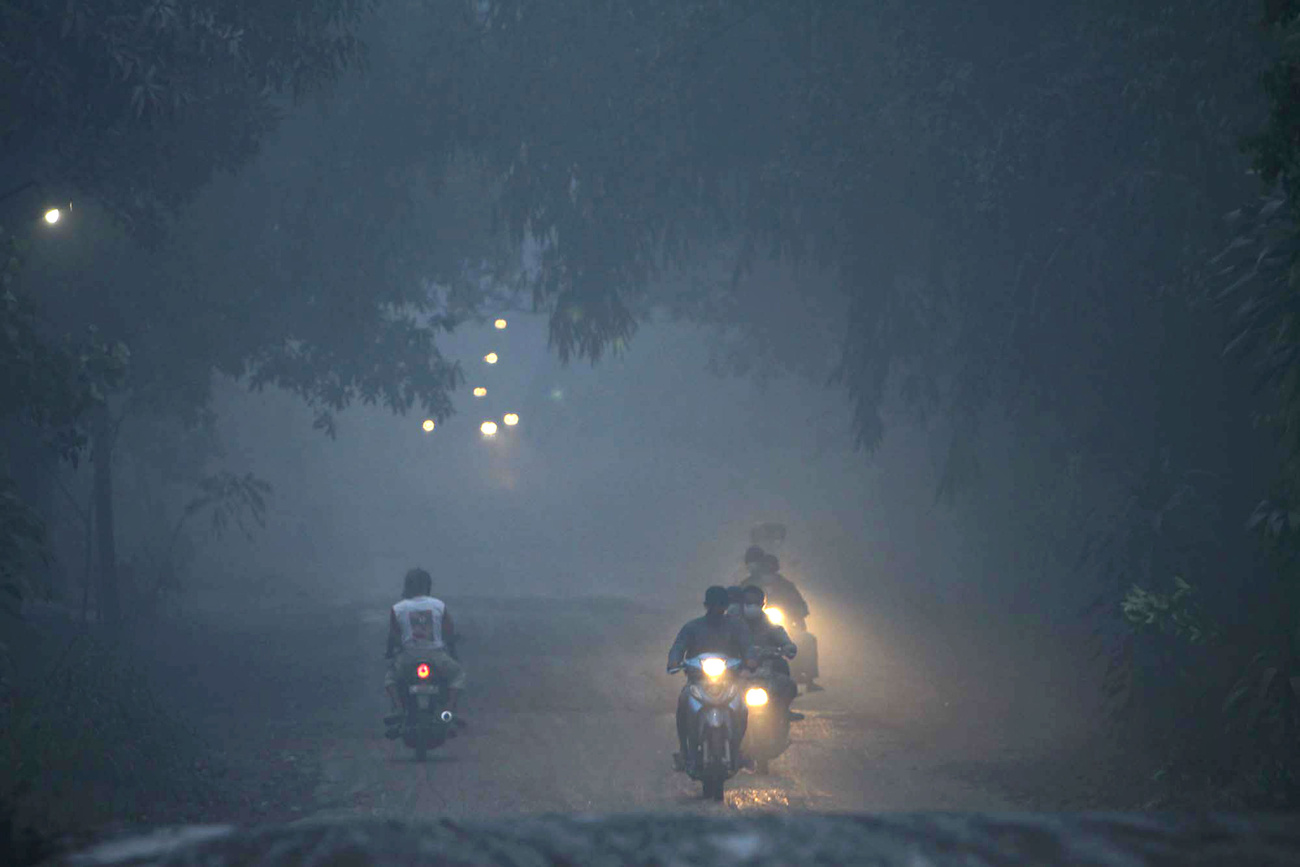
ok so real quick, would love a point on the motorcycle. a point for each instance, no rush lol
(768, 733)
(803, 668)
(426, 722)
(713, 695)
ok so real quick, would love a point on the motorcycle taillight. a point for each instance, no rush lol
(422, 671)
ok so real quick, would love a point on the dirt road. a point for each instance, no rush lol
(570, 711)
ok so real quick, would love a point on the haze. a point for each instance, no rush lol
(948, 298)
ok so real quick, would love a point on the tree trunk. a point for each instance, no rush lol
(88, 573)
(102, 455)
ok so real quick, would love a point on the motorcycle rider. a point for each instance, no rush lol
(420, 629)
(736, 598)
(765, 572)
(766, 634)
(715, 632)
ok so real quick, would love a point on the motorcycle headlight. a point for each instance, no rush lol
(775, 616)
(714, 667)
(756, 697)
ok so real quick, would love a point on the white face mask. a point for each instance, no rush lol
(753, 612)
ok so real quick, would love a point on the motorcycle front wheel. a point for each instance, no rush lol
(715, 773)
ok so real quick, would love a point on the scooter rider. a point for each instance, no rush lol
(765, 571)
(420, 625)
(715, 632)
(736, 598)
(766, 634)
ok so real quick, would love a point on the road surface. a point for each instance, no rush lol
(570, 711)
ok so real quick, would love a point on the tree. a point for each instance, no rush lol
(136, 104)
(131, 107)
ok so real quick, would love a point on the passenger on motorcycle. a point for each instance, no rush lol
(768, 635)
(419, 630)
(715, 632)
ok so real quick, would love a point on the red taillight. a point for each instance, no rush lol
(422, 671)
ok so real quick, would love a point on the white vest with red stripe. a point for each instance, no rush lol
(419, 622)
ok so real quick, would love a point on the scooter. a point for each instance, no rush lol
(713, 695)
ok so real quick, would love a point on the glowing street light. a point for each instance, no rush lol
(500, 325)
(428, 425)
(480, 391)
(53, 215)
(511, 419)
(489, 428)
(490, 358)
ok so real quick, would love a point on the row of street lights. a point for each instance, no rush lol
(488, 428)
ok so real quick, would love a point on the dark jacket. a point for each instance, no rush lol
(781, 593)
(768, 634)
(730, 635)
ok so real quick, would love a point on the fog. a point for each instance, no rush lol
(991, 315)
(641, 477)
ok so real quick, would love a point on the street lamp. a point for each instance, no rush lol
(511, 419)
(490, 358)
(500, 325)
(53, 215)
(480, 391)
(428, 425)
(489, 428)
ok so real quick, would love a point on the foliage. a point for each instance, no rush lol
(1169, 613)
(230, 499)
(136, 103)
(45, 387)
(90, 739)
(146, 100)
(156, 571)
(44, 384)
(900, 151)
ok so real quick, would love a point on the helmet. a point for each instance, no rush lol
(754, 554)
(717, 597)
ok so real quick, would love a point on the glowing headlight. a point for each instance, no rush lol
(775, 616)
(500, 324)
(490, 358)
(489, 428)
(511, 419)
(756, 697)
(714, 667)
(53, 215)
(480, 391)
(428, 425)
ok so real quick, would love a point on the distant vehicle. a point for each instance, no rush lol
(770, 536)
(712, 754)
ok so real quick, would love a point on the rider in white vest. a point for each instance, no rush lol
(420, 626)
